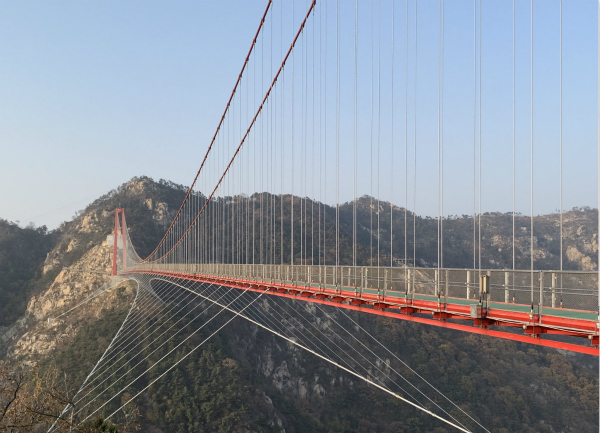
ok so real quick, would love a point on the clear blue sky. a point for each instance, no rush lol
(94, 93)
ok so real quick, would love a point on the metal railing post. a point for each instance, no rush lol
(468, 284)
(320, 279)
(349, 277)
(385, 282)
(553, 289)
(541, 302)
(506, 290)
(446, 287)
(362, 278)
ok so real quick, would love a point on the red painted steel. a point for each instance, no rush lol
(407, 307)
(114, 258)
(116, 239)
(124, 237)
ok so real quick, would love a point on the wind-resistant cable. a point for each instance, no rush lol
(159, 346)
(182, 358)
(69, 405)
(346, 369)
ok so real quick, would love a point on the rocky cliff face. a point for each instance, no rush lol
(75, 268)
(288, 390)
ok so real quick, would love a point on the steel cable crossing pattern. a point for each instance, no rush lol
(93, 369)
(153, 341)
(223, 308)
(147, 319)
(161, 345)
(348, 369)
(318, 347)
(374, 365)
(144, 285)
(224, 242)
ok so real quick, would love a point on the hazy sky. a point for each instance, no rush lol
(94, 93)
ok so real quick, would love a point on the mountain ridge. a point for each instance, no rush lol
(271, 386)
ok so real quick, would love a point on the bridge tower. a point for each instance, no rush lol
(123, 234)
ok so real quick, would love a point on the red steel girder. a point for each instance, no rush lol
(406, 313)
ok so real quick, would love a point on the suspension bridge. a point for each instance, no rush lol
(327, 108)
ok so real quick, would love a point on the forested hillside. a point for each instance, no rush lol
(22, 251)
(246, 379)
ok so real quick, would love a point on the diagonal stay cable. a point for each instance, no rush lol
(423, 409)
(94, 369)
(134, 333)
(398, 373)
(236, 314)
(99, 291)
(223, 308)
(140, 342)
(369, 361)
(412, 371)
(153, 351)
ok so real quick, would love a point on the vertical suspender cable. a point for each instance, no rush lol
(474, 131)
(272, 169)
(438, 139)
(513, 142)
(321, 203)
(599, 170)
(253, 198)
(262, 157)
(337, 144)
(415, 150)
(531, 162)
(282, 130)
(406, 158)
(561, 149)
(372, 111)
(392, 159)
(312, 184)
(442, 150)
(302, 151)
(355, 127)
(480, 128)
(292, 196)
(325, 150)
(561, 158)
(378, 127)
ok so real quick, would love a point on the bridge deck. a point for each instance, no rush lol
(447, 295)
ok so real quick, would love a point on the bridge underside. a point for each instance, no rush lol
(422, 301)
